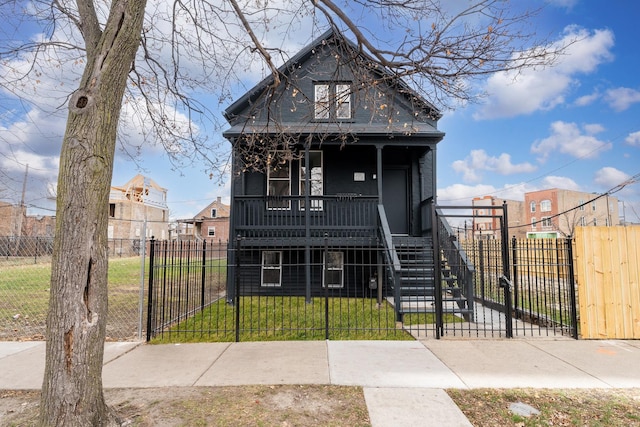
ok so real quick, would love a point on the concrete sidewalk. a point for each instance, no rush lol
(403, 381)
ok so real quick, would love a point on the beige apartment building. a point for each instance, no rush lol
(488, 227)
(557, 213)
(138, 208)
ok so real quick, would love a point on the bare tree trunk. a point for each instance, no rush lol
(76, 324)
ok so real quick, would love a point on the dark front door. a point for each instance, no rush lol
(395, 198)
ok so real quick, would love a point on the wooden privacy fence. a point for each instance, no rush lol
(608, 275)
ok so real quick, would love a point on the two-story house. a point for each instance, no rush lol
(339, 155)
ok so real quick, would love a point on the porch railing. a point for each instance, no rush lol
(342, 215)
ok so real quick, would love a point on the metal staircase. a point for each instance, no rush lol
(418, 291)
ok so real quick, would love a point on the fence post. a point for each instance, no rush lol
(572, 288)
(326, 288)
(514, 255)
(150, 296)
(203, 275)
(236, 299)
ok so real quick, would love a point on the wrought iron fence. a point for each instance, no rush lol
(335, 291)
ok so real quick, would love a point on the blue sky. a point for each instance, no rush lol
(575, 125)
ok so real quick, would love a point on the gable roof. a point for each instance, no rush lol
(233, 113)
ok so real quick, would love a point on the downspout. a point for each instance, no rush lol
(380, 271)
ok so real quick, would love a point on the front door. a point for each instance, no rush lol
(395, 198)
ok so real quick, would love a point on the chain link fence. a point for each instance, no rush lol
(25, 273)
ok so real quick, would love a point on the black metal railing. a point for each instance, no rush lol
(343, 215)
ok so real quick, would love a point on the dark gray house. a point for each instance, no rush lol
(334, 170)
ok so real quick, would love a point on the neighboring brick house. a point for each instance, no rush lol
(11, 219)
(138, 205)
(556, 213)
(39, 225)
(489, 227)
(211, 223)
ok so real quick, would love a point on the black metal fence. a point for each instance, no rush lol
(296, 292)
(237, 292)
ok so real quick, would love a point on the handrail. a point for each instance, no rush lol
(392, 260)
(389, 249)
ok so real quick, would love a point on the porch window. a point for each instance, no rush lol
(315, 179)
(271, 268)
(332, 101)
(333, 271)
(278, 182)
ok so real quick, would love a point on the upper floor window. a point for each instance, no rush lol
(533, 223)
(332, 101)
(546, 222)
(532, 206)
(211, 231)
(593, 205)
(315, 179)
(214, 212)
(545, 206)
(112, 210)
(278, 181)
(581, 204)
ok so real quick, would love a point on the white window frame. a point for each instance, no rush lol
(545, 205)
(533, 223)
(317, 183)
(581, 204)
(343, 101)
(271, 267)
(332, 101)
(532, 206)
(546, 222)
(339, 268)
(270, 179)
(209, 230)
(593, 206)
(321, 105)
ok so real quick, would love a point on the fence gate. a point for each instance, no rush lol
(493, 286)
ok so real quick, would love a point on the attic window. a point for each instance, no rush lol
(332, 101)
(214, 212)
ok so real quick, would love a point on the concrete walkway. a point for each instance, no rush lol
(403, 381)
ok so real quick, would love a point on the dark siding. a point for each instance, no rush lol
(359, 267)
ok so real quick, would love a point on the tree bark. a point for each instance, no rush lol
(76, 324)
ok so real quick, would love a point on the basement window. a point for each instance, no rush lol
(271, 269)
(333, 271)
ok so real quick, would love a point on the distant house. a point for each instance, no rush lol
(211, 223)
(11, 219)
(138, 209)
(487, 222)
(556, 212)
(39, 225)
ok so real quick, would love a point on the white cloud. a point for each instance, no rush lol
(511, 93)
(608, 177)
(633, 139)
(568, 138)
(478, 161)
(562, 182)
(585, 100)
(622, 98)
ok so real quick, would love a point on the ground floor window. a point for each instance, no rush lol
(211, 231)
(271, 268)
(333, 271)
